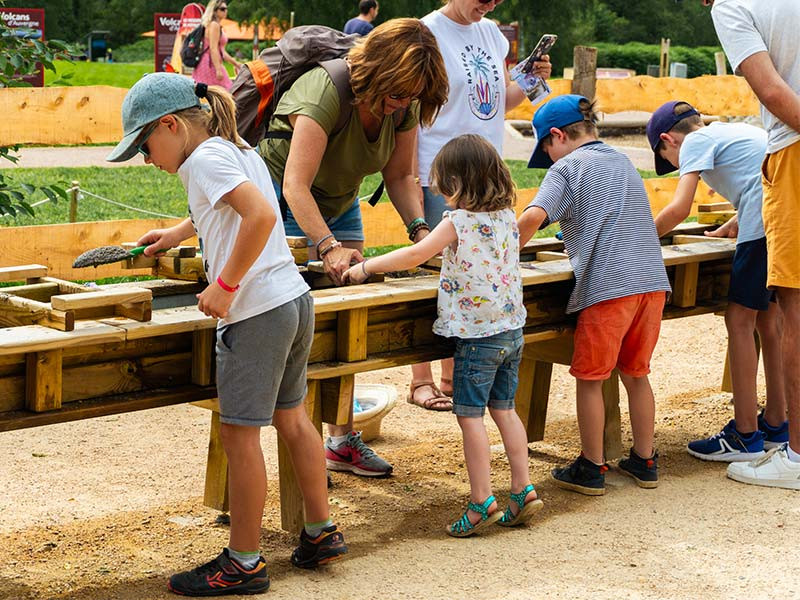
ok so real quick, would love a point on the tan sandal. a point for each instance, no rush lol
(446, 381)
(438, 401)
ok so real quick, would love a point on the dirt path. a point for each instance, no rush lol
(108, 508)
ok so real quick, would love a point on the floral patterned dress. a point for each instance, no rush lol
(204, 71)
(480, 286)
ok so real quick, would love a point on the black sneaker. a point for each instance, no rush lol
(326, 547)
(582, 476)
(643, 470)
(220, 577)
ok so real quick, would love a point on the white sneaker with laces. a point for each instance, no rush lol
(774, 469)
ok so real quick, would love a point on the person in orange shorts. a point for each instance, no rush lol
(620, 281)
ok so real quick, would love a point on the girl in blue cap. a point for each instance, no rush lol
(257, 293)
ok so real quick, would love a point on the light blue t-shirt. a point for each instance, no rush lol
(728, 157)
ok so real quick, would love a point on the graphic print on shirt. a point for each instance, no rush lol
(483, 82)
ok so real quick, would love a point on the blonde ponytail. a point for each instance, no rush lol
(220, 120)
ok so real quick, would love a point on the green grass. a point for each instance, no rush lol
(115, 74)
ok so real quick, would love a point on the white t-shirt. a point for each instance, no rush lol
(215, 168)
(746, 27)
(474, 56)
(728, 157)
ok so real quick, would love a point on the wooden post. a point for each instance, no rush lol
(584, 78)
(719, 60)
(612, 429)
(216, 490)
(43, 377)
(663, 65)
(74, 192)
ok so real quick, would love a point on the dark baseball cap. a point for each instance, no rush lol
(661, 121)
(559, 112)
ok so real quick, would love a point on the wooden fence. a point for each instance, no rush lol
(83, 115)
(56, 246)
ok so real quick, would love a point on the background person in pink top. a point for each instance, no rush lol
(211, 68)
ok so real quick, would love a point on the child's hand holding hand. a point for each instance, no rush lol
(214, 301)
(356, 274)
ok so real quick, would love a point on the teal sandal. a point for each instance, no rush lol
(509, 519)
(464, 528)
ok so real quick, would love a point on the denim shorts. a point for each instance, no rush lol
(261, 363)
(486, 373)
(347, 227)
(435, 205)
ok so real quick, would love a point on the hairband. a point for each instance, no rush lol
(201, 90)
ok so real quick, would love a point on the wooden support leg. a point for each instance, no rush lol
(43, 380)
(684, 290)
(337, 399)
(727, 381)
(612, 434)
(203, 356)
(532, 395)
(216, 492)
(291, 499)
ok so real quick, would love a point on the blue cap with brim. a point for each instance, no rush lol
(150, 98)
(661, 121)
(559, 112)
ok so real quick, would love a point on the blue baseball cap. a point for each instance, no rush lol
(150, 98)
(559, 112)
(661, 121)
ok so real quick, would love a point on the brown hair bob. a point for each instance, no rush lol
(399, 57)
(469, 172)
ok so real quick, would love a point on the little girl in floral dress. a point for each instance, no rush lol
(479, 304)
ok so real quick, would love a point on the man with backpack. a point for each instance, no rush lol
(337, 123)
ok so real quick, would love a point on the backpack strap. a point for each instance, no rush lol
(339, 73)
(264, 84)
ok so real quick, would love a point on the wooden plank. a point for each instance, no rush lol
(138, 311)
(684, 288)
(715, 206)
(337, 399)
(693, 239)
(166, 321)
(215, 494)
(699, 252)
(101, 407)
(533, 393)
(190, 269)
(40, 292)
(203, 355)
(22, 272)
(300, 255)
(291, 498)
(16, 311)
(544, 256)
(43, 380)
(69, 287)
(102, 298)
(717, 217)
(297, 241)
(351, 337)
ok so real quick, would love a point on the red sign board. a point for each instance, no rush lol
(166, 27)
(27, 23)
(511, 32)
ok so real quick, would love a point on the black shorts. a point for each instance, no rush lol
(748, 285)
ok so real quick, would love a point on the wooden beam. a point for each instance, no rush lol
(351, 336)
(16, 311)
(612, 432)
(684, 287)
(717, 217)
(103, 298)
(692, 239)
(715, 207)
(584, 78)
(215, 494)
(43, 388)
(22, 272)
(337, 399)
(203, 355)
(545, 255)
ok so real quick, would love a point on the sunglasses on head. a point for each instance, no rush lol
(141, 146)
(222, 8)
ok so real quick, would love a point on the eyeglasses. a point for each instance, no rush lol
(401, 97)
(222, 8)
(141, 147)
(496, 2)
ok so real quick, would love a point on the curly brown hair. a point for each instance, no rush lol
(469, 172)
(399, 57)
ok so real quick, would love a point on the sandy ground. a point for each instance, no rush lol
(108, 508)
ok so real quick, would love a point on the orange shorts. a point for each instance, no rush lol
(619, 333)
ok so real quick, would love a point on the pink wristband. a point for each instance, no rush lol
(225, 286)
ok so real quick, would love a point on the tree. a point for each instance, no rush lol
(21, 56)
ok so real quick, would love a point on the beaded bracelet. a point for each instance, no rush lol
(322, 239)
(419, 227)
(414, 223)
(334, 244)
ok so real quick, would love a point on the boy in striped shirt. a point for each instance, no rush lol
(620, 281)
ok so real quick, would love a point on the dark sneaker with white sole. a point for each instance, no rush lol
(326, 547)
(582, 476)
(729, 445)
(220, 577)
(773, 436)
(643, 470)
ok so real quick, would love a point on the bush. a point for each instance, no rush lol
(140, 51)
(635, 55)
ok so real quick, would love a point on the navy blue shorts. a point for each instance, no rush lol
(748, 285)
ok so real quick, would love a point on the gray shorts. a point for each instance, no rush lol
(261, 363)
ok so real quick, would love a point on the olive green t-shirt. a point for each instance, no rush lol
(348, 157)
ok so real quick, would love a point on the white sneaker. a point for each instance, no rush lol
(774, 469)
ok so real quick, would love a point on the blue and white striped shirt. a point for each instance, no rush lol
(599, 198)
